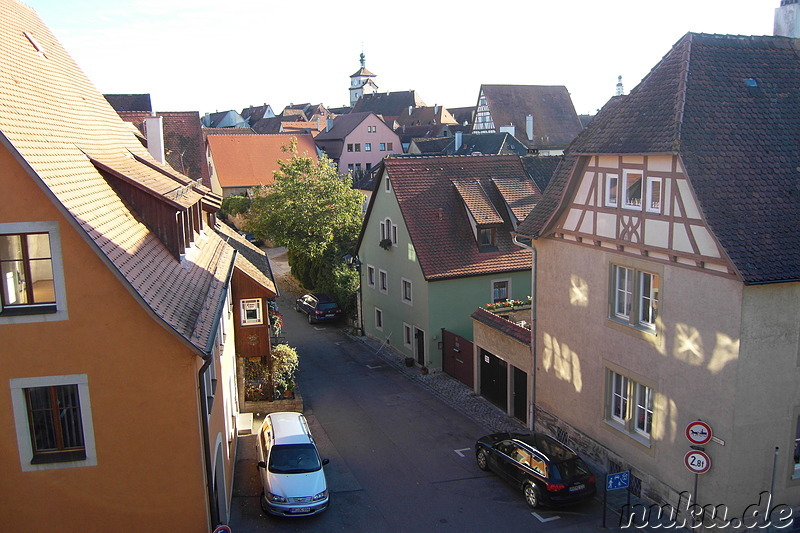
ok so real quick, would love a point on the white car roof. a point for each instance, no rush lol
(289, 428)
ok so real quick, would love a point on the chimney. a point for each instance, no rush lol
(154, 131)
(410, 108)
(435, 109)
(787, 19)
(328, 124)
(458, 141)
(508, 129)
(529, 127)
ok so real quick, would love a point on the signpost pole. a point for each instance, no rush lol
(696, 477)
(605, 504)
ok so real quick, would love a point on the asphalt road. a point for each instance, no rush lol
(401, 460)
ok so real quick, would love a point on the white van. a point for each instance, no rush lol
(290, 467)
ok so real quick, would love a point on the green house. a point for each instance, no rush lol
(436, 244)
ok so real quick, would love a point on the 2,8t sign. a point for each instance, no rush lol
(697, 461)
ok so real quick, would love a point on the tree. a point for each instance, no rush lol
(310, 209)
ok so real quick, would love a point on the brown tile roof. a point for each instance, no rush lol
(253, 114)
(555, 122)
(184, 148)
(500, 324)
(52, 117)
(730, 106)
(426, 115)
(541, 168)
(435, 214)
(250, 259)
(249, 160)
(520, 194)
(477, 201)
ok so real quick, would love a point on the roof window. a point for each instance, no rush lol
(35, 44)
(750, 82)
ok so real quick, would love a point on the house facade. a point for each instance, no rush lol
(116, 313)
(435, 244)
(666, 270)
(357, 142)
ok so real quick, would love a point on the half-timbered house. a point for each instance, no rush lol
(666, 271)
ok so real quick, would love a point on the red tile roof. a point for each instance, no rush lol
(436, 218)
(249, 160)
(500, 324)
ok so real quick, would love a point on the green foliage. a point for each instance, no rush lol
(310, 208)
(233, 205)
(284, 365)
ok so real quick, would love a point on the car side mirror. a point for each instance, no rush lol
(261, 464)
(325, 461)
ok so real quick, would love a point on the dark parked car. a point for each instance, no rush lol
(545, 470)
(319, 307)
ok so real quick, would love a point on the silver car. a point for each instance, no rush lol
(290, 467)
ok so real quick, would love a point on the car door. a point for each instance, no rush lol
(503, 464)
(521, 460)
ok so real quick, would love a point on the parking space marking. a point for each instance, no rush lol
(374, 367)
(544, 520)
(462, 450)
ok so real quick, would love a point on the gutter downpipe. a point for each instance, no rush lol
(208, 357)
(528, 244)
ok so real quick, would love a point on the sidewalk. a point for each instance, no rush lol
(449, 390)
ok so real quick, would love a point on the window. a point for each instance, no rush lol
(612, 190)
(633, 189)
(371, 276)
(644, 409)
(349, 147)
(387, 185)
(383, 279)
(408, 336)
(383, 147)
(405, 286)
(358, 168)
(394, 233)
(369, 167)
(634, 297)
(53, 422)
(389, 147)
(500, 290)
(350, 167)
(389, 231)
(654, 195)
(371, 129)
(358, 147)
(486, 237)
(633, 417)
(26, 265)
(251, 312)
(31, 273)
(367, 147)
(378, 319)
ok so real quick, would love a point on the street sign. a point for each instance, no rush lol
(698, 433)
(620, 480)
(697, 461)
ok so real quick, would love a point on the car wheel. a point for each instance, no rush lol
(297, 307)
(310, 319)
(531, 494)
(483, 459)
(263, 500)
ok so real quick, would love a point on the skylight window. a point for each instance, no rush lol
(750, 82)
(35, 44)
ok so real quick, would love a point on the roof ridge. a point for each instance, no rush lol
(683, 82)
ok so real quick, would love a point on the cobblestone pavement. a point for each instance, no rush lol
(449, 390)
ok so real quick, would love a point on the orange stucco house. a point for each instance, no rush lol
(118, 364)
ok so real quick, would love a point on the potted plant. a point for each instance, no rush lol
(385, 243)
(288, 390)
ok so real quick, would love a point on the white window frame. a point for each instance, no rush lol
(638, 411)
(378, 319)
(405, 282)
(243, 307)
(625, 204)
(394, 235)
(387, 186)
(408, 336)
(21, 421)
(56, 256)
(371, 276)
(383, 281)
(634, 299)
(651, 183)
(507, 281)
(609, 188)
(367, 147)
(643, 409)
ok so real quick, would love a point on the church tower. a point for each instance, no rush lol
(361, 83)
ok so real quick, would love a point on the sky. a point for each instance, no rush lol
(210, 55)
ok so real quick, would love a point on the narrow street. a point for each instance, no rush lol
(400, 458)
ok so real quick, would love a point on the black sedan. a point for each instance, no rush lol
(319, 307)
(545, 470)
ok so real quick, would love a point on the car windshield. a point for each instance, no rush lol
(327, 307)
(571, 468)
(293, 459)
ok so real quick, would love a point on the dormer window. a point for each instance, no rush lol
(486, 239)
